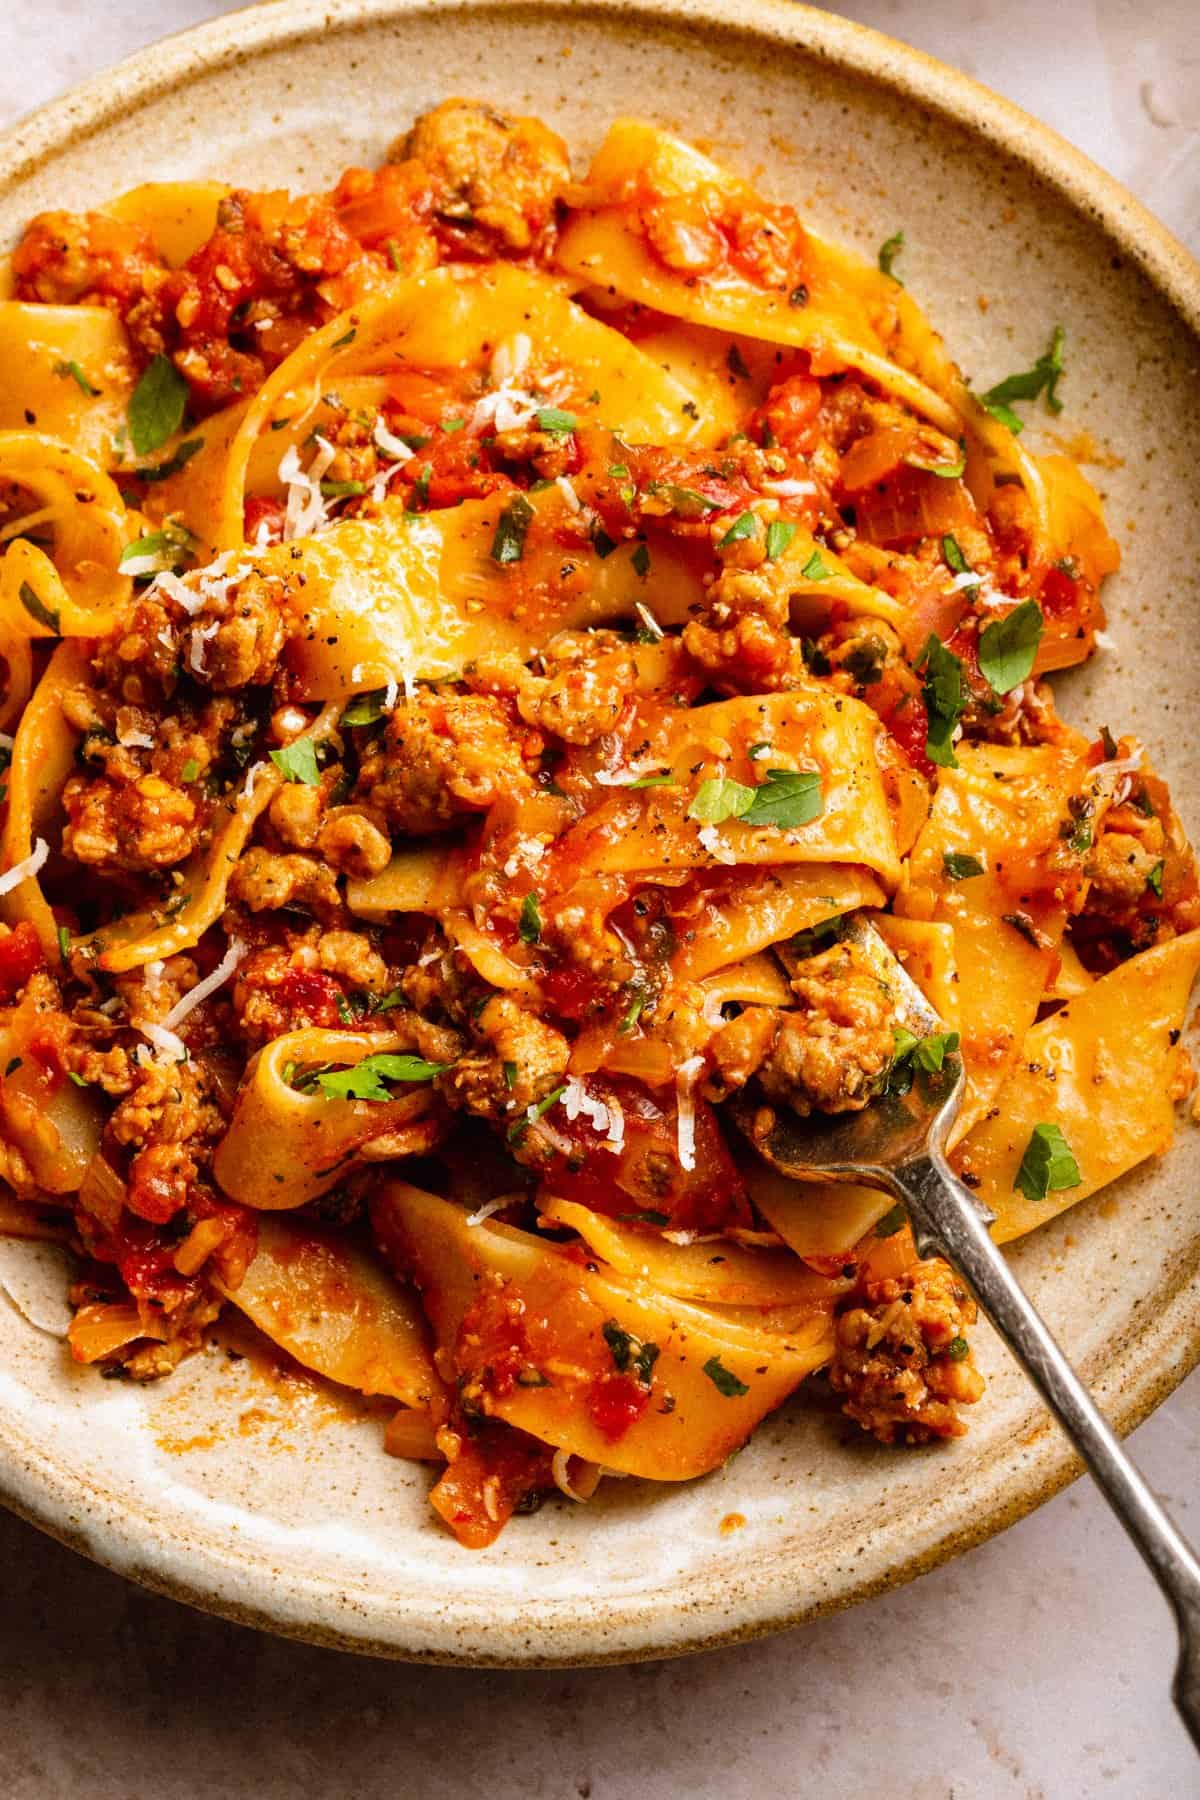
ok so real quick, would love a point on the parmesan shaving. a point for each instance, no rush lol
(615, 1141)
(305, 511)
(685, 1077)
(135, 740)
(153, 972)
(1104, 640)
(788, 490)
(560, 1469)
(175, 588)
(568, 493)
(650, 622)
(710, 838)
(390, 444)
(220, 975)
(26, 869)
(165, 1041)
(487, 1209)
(252, 775)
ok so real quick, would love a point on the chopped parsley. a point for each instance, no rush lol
(190, 770)
(366, 709)
(170, 549)
(630, 1355)
(517, 1131)
(450, 426)
(724, 1380)
(889, 250)
(632, 1014)
(298, 762)
(64, 943)
(347, 338)
(641, 561)
(37, 608)
(960, 867)
(815, 659)
(552, 418)
(719, 799)
(508, 545)
(367, 1079)
(736, 364)
(945, 696)
(953, 557)
(179, 459)
(927, 1054)
(1008, 647)
(957, 1349)
(530, 927)
(73, 371)
(816, 570)
(891, 1221)
(1048, 1164)
(780, 533)
(157, 405)
(1043, 378)
(744, 526)
(687, 503)
(1154, 880)
(785, 799)
(947, 471)
(342, 490)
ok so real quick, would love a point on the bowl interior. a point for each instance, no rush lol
(278, 1506)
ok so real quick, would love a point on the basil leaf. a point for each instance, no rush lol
(552, 418)
(959, 867)
(945, 695)
(723, 1379)
(1048, 1164)
(953, 557)
(298, 762)
(157, 405)
(788, 797)
(1008, 647)
(888, 252)
(815, 570)
(508, 545)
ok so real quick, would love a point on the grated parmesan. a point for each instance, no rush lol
(220, 975)
(710, 838)
(650, 622)
(789, 490)
(305, 511)
(26, 869)
(487, 1209)
(165, 1041)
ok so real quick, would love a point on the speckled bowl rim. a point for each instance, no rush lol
(1148, 1363)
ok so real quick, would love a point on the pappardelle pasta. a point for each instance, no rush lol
(472, 638)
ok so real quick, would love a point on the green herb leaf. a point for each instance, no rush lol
(366, 1080)
(957, 1349)
(953, 557)
(517, 1131)
(178, 459)
(719, 799)
(744, 526)
(171, 549)
(76, 374)
(666, 779)
(450, 426)
(888, 252)
(960, 867)
(602, 544)
(725, 1382)
(641, 561)
(945, 471)
(735, 363)
(686, 502)
(632, 1014)
(780, 533)
(37, 609)
(511, 1073)
(157, 405)
(508, 545)
(931, 1052)
(815, 659)
(298, 762)
(815, 570)
(190, 770)
(530, 927)
(787, 798)
(1048, 1164)
(552, 418)
(348, 338)
(64, 943)
(1004, 415)
(945, 696)
(629, 1353)
(365, 709)
(1043, 378)
(1008, 647)
(1155, 877)
(342, 490)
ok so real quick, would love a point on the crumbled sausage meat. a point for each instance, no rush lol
(902, 1361)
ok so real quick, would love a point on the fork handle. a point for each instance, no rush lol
(946, 1220)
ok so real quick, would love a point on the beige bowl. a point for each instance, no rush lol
(283, 1512)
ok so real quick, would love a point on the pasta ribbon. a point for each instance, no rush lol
(43, 757)
(749, 1372)
(78, 590)
(1102, 1069)
(329, 1304)
(68, 375)
(284, 1146)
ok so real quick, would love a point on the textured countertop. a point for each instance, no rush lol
(1038, 1665)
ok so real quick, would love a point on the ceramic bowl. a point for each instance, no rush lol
(279, 1508)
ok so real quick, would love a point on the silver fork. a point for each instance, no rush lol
(897, 1143)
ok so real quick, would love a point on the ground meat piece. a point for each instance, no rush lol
(295, 814)
(443, 756)
(743, 637)
(237, 639)
(136, 825)
(168, 1121)
(352, 955)
(588, 677)
(68, 259)
(1120, 865)
(740, 1048)
(353, 843)
(829, 1055)
(264, 882)
(902, 1360)
(498, 179)
(523, 1061)
(141, 662)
